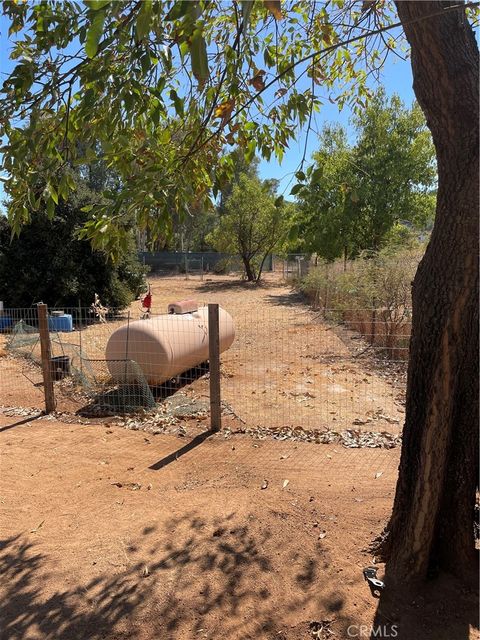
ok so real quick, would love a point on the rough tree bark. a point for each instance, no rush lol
(431, 528)
(249, 272)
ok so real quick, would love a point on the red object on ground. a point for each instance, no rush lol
(147, 301)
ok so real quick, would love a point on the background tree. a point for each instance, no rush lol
(252, 225)
(396, 171)
(360, 191)
(49, 263)
(241, 166)
(329, 218)
(124, 84)
(189, 231)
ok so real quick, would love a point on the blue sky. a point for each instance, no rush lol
(396, 77)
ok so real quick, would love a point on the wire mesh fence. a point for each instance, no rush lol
(285, 367)
(306, 371)
(292, 266)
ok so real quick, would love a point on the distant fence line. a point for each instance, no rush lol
(190, 261)
(206, 261)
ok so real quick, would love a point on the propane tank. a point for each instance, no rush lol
(166, 345)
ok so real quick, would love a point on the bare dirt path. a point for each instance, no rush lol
(286, 366)
(113, 534)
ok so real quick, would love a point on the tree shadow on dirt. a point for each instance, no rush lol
(442, 609)
(214, 286)
(192, 575)
(76, 613)
(294, 298)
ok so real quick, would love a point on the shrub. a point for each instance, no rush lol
(380, 281)
(48, 262)
(373, 296)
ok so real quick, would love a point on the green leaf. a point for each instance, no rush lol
(63, 187)
(295, 189)
(179, 9)
(300, 175)
(71, 182)
(53, 194)
(98, 4)
(279, 201)
(50, 208)
(144, 17)
(250, 151)
(198, 51)
(177, 103)
(94, 34)
(316, 175)
(145, 62)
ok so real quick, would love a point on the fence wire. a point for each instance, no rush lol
(288, 368)
(299, 371)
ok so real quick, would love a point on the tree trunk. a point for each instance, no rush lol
(249, 272)
(431, 528)
(260, 269)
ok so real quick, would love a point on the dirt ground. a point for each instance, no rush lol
(286, 366)
(111, 533)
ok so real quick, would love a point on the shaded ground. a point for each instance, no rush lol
(113, 534)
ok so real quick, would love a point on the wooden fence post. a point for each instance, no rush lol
(214, 358)
(46, 358)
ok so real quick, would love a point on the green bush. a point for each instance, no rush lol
(378, 281)
(48, 263)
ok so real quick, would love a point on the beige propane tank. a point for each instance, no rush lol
(167, 345)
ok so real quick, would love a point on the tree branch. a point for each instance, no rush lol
(312, 56)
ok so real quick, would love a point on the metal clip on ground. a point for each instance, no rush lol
(376, 585)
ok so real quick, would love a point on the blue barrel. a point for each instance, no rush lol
(5, 322)
(60, 323)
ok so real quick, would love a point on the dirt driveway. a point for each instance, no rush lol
(108, 533)
(111, 533)
(286, 366)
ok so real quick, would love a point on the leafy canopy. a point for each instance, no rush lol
(165, 88)
(355, 194)
(168, 89)
(48, 262)
(253, 224)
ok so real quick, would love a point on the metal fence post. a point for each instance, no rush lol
(46, 358)
(214, 358)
